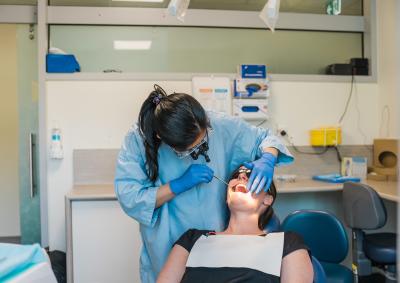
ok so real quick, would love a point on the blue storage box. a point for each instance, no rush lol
(61, 63)
(252, 71)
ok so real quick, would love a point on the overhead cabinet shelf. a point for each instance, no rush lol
(196, 17)
(188, 77)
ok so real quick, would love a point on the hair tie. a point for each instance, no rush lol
(157, 100)
(160, 94)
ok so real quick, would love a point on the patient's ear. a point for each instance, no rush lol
(268, 199)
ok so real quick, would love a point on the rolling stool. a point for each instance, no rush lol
(365, 210)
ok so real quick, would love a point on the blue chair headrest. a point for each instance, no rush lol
(322, 232)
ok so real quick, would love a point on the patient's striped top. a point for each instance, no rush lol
(236, 258)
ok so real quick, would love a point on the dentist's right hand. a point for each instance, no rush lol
(194, 175)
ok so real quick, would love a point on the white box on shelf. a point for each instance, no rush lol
(251, 109)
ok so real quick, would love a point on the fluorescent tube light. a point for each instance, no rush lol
(132, 44)
(152, 1)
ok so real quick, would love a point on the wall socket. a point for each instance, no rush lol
(281, 130)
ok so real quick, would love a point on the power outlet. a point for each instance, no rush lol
(281, 130)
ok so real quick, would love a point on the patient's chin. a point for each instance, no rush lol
(241, 201)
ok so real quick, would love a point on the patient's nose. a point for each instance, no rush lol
(243, 177)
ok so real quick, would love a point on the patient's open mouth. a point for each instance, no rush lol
(240, 188)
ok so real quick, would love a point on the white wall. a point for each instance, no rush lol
(389, 66)
(9, 183)
(301, 106)
(98, 114)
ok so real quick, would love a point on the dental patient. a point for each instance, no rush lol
(243, 252)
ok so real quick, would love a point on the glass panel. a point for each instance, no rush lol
(349, 7)
(211, 50)
(28, 123)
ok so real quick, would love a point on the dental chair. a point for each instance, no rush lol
(274, 225)
(365, 210)
(25, 264)
(326, 237)
(319, 273)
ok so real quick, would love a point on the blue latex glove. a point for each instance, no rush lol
(262, 172)
(194, 175)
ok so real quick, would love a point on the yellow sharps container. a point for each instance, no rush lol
(326, 136)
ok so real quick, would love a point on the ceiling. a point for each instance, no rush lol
(349, 7)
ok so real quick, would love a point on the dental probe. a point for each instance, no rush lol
(218, 178)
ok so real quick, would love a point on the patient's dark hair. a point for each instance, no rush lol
(265, 217)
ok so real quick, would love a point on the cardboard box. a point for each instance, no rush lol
(385, 163)
(386, 153)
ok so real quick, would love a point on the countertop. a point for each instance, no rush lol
(92, 192)
(387, 190)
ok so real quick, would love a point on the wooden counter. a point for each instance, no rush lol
(387, 190)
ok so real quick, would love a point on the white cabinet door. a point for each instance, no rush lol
(106, 243)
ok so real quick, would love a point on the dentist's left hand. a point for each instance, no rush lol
(262, 172)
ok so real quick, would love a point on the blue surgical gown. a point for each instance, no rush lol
(231, 142)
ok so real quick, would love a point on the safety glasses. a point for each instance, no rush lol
(186, 153)
(240, 171)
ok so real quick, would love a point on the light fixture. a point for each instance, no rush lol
(148, 1)
(178, 8)
(270, 13)
(132, 44)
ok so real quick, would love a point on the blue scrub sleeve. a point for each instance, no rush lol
(135, 192)
(284, 156)
(251, 140)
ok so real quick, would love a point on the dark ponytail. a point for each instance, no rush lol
(176, 119)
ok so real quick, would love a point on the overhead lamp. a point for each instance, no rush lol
(270, 13)
(132, 44)
(148, 1)
(178, 8)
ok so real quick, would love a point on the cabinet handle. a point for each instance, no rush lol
(32, 168)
